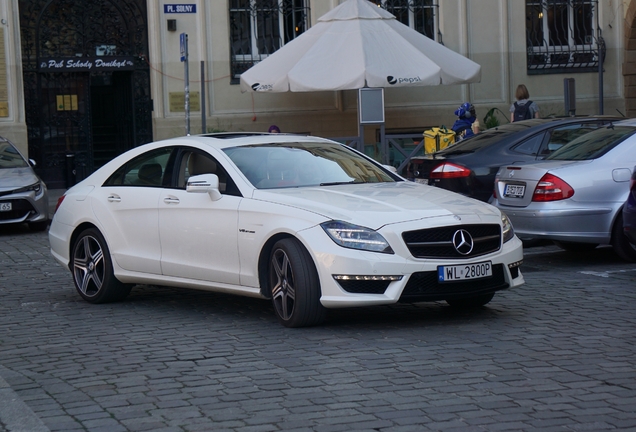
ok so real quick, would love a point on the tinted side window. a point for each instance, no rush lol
(147, 169)
(530, 146)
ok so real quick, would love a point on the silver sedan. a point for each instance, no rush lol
(575, 196)
(23, 196)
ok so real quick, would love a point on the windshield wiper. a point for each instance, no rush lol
(340, 183)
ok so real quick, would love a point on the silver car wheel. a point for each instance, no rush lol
(88, 266)
(283, 290)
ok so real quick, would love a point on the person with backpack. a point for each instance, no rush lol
(523, 108)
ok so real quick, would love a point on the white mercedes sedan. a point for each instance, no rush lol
(306, 222)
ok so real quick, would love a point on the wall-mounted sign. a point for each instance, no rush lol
(179, 8)
(86, 64)
(66, 102)
(177, 101)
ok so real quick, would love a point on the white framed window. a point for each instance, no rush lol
(260, 27)
(562, 35)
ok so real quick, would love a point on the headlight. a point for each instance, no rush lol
(508, 232)
(356, 237)
(35, 187)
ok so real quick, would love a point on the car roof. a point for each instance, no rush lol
(236, 139)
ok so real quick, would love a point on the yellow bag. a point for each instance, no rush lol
(437, 139)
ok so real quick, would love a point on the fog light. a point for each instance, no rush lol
(366, 278)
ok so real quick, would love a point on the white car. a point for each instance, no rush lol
(304, 221)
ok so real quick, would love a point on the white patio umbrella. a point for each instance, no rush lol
(357, 45)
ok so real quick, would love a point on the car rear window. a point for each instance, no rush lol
(486, 138)
(593, 144)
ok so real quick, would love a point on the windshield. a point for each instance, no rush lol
(272, 166)
(593, 144)
(10, 157)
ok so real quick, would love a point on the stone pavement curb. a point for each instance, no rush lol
(15, 415)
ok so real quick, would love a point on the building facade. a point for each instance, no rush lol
(82, 81)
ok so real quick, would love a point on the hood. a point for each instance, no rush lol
(15, 178)
(377, 204)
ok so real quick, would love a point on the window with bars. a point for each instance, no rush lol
(420, 15)
(562, 36)
(260, 27)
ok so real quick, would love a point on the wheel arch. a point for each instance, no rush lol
(76, 232)
(263, 260)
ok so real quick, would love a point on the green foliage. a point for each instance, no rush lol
(491, 119)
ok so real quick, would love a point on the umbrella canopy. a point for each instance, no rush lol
(356, 45)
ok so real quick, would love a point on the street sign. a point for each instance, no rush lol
(183, 45)
(179, 8)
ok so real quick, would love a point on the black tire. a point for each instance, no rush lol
(294, 285)
(576, 247)
(92, 269)
(38, 226)
(620, 242)
(471, 302)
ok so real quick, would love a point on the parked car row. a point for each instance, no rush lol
(565, 180)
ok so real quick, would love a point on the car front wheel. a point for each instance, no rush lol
(294, 285)
(93, 269)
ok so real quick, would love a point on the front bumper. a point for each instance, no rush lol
(25, 207)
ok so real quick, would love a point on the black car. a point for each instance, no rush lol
(469, 167)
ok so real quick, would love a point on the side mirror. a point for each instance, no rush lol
(205, 183)
(32, 163)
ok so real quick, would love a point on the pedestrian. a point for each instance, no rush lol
(274, 129)
(466, 118)
(523, 108)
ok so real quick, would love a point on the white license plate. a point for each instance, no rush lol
(464, 271)
(514, 191)
(5, 206)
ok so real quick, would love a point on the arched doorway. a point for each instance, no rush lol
(86, 83)
(629, 67)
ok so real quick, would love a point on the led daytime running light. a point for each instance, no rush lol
(366, 278)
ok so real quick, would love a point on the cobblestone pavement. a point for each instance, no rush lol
(557, 354)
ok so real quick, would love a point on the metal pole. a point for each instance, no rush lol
(203, 114)
(601, 57)
(187, 89)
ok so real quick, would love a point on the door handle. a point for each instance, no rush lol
(114, 198)
(169, 200)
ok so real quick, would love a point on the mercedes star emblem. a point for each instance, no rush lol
(463, 242)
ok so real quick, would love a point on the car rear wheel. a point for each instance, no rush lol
(93, 269)
(294, 285)
(620, 242)
(471, 302)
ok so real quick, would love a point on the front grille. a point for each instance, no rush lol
(438, 242)
(425, 286)
(364, 286)
(19, 209)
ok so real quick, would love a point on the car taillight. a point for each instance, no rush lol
(59, 202)
(449, 170)
(552, 188)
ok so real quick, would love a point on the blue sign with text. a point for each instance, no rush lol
(179, 8)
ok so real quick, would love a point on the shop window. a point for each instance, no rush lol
(563, 36)
(260, 27)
